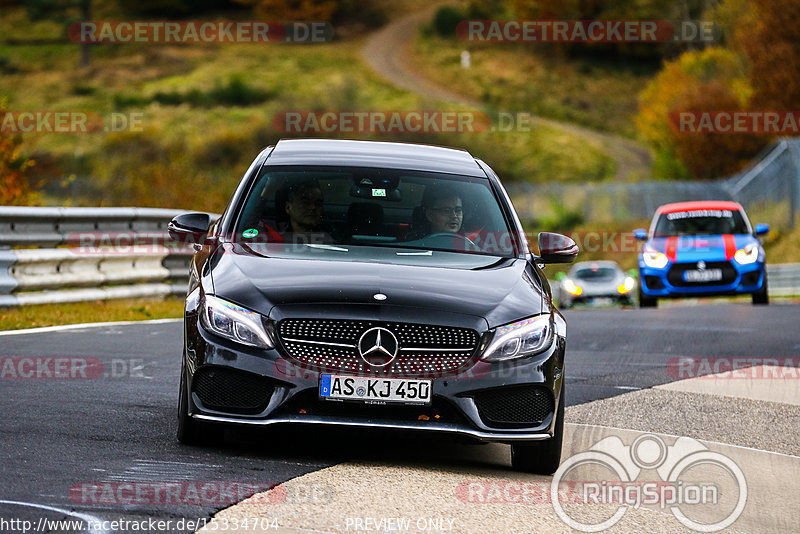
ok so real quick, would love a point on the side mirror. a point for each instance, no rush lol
(556, 248)
(761, 229)
(640, 234)
(191, 227)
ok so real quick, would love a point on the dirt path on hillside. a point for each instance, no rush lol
(388, 52)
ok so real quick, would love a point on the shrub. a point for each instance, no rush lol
(446, 19)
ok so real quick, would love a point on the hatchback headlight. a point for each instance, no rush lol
(523, 338)
(746, 255)
(233, 322)
(654, 259)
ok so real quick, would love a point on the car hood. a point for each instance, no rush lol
(499, 294)
(700, 247)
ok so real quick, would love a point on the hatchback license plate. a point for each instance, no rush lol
(375, 390)
(710, 275)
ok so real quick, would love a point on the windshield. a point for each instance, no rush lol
(700, 222)
(596, 274)
(335, 210)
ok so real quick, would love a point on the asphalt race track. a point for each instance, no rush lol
(60, 436)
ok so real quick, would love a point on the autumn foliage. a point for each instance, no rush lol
(755, 71)
(771, 41)
(15, 187)
(292, 10)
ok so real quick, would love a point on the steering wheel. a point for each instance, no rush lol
(470, 244)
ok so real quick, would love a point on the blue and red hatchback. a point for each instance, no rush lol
(701, 248)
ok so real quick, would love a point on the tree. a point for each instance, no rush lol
(66, 11)
(713, 155)
(701, 80)
(770, 39)
(15, 187)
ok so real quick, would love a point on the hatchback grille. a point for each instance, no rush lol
(233, 391)
(516, 406)
(675, 274)
(330, 345)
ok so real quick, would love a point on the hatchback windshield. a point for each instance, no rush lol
(700, 222)
(339, 209)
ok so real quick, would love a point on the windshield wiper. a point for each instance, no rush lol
(420, 253)
(327, 247)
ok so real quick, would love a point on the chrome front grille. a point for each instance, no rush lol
(330, 345)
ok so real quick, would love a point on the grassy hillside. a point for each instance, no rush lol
(206, 110)
(599, 94)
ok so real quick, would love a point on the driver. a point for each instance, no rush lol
(443, 209)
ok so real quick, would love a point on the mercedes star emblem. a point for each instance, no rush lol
(378, 347)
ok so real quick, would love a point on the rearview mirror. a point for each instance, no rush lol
(191, 227)
(640, 234)
(761, 229)
(556, 248)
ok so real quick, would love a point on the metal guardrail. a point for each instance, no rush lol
(770, 186)
(76, 254)
(105, 253)
(783, 279)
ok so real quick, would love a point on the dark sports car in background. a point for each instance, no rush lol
(701, 248)
(375, 285)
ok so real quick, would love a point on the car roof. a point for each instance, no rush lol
(699, 205)
(342, 152)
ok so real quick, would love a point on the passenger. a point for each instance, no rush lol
(304, 205)
(300, 218)
(443, 210)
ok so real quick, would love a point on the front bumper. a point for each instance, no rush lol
(743, 279)
(291, 396)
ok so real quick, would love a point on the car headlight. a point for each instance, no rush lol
(746, 255)
(626, 286)
(654, 259)
(571, 288)
(233, 322)
(519, 339)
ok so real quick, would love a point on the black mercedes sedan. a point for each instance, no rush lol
(373, 285)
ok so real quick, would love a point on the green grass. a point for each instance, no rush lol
(596, 94)
(90, 312)
(196, 142)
